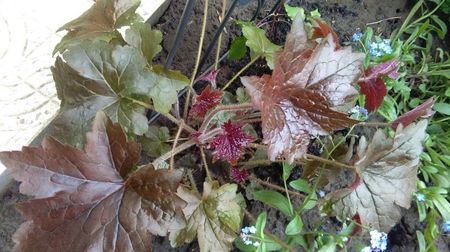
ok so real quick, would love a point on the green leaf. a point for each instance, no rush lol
(443, 108)
(98, 76)
(287, 169)
(154, 141)
(310, 202)
(421, 241)
(301, 185)
(387, 109)
(271, 245)
(146, 40)
(385, 166)
(442, 205)
(260, 224)
(275, 200)
(95, 76)
(259, 44)
(295, 226)
(100, 22)
(292, 11)
(242, 95)
(213, 218)
(237, 49)
(167, 84)
(329, 247)
(239, 244)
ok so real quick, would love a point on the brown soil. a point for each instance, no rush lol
(346, 16)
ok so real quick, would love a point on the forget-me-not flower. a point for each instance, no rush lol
(357, 37)
(420, 197)
(245, 236)
(378, 49)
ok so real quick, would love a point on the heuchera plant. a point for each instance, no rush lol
(92, 194)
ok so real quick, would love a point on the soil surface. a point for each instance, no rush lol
(345, 16)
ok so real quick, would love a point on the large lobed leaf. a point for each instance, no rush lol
(213, 218)
(386, 178)
(99, 76)
(89, 201)
(142, 37)
(309, 83)
(100, 22)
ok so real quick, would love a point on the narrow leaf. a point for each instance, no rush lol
(275, 200)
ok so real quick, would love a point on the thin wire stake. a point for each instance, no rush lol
(180, 32)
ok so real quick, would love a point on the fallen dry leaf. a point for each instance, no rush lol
(89, 201)
(309, 84)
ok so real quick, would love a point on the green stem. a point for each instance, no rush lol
(240, 72)
(276, 187)
(179, 123)
(178, 149)
(205, 163)
(212, 113)
(374, 124)
(174, 145)
(168, 115)
(197, 60)
(330, 162)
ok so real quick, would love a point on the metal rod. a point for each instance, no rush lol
(217, 34)
(180, 31)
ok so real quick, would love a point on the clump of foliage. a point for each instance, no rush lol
(92, 194)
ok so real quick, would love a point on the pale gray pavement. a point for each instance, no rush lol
(27, 37)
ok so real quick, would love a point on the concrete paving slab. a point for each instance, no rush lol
(27, 36)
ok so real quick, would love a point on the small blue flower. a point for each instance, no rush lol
(378, 49)
(357, 37)
(359, 113)
(446, 227)
(378, 241)
(420, 197)
(321, 193)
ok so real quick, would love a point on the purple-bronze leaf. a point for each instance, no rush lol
(373, 86)
(301, 99)
(231, 143)
(88, 201)
(424, 110)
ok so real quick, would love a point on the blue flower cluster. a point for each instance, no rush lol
(378, 49)
(245, 236)
(359, 113)
(378, 242)
(357, 37)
